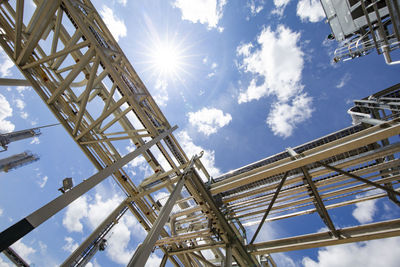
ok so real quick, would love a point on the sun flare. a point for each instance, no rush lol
(167, 59)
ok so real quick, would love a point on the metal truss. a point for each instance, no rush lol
(355, 164)
(67, 54)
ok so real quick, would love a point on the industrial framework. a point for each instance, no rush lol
(360, 26)
(67, 54)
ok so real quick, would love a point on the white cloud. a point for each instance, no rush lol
(123, 2)
(42, 182)
(284, 117)
(21, 89)
(365, 211)
(203, 11)
(255, 6)
(19, 103)
(92, 212)
(276, 63)
(75, 212)
(161, 93)
(5, 65)
(3, 263)
(23, 115)
(116, 25)
(5, 112)
(1, 211)
(93, 264)
(345, 79)
(280, 7)
(191, 149)
(153, 261)
(23, 250)
(382, 252)
(310, 10)
(70, 245)
(209, 120)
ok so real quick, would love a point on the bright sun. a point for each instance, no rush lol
(167, 59)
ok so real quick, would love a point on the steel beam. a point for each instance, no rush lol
(26, 225)
(14, 82)
(387, 189)
(142, 253)
(353, 234)
(228, 256)
(365, 137)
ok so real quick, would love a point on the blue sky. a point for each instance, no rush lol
(244, 80)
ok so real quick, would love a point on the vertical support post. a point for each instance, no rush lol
(228, 256)
(27, 224)
(142, 253)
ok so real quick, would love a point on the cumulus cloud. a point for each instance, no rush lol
(280, 7)
(19, 103)
(276, 63)
(284, 117)
(92, 211)
(153, 260)
(345, 79)
(70, 244)
(204, 11)
(256, 6)
(3, 263)
(310, 10)
(365, 254)
(209, 120)
(1, 211)
(365, 211)
(75, 212)
(5, 64)
(5, 112)
(192, 149)
(24, 250)
(116, 25)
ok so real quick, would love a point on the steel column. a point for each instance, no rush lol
(142, 253)
(228, 256)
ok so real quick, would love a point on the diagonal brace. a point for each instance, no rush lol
(387, 189)
(271, 203)
(319, 205)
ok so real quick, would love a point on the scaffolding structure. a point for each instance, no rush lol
(67, 54)
(360, 26)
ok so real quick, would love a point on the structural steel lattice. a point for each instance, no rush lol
(67, 54)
